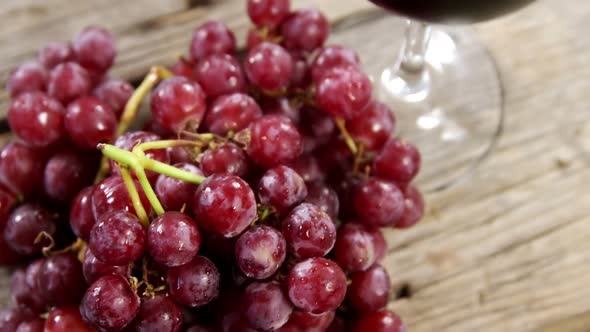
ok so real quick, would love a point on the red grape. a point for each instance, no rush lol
(379, 203)
(28, 77)
(231, 113)
(305, 30)
(24, 225)
(68, 81)
(380, 244)
(333, 56)
(265, 305)
(281, 188)
(66, 173)
(224, 204)
(93, 268)
(61, 279)
(354, 249)
(260, 251)
(36, 118)
(308, 322)
(368, 290)
(413, 208)
(158, 314)
(323, 197)
(35, 325)
(281, 106)
(11, 318)
(81, 215)
(300, 78)
(380, 321)
(183, 68)
(398, 161)
(174, 193)
(372, 127)
(316, 285)
(178, 104)
(111, 195)
(130, 139)
(194, 284)
(225, 159)
(110, 303)
(343, 92)
(212, 37)
(94, 49)
(66, 319)
(308, 167)
(54, 54)
(309, 231)
(23, 289)
(268, 13)
(173, 239)
(117, 238)
(115, 93)
(274, 140)
(269, 67)
(220, 74)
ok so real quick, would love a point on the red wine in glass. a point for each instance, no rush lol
(452, 11)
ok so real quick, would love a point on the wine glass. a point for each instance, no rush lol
(444, 86)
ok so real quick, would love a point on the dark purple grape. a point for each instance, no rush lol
(398, 161)
(23, 294)
(231, 113)
(282, 106)
(174, 193)
(413, 208)
(260, 251)
(333, 56)
(281, 188)
(195, 283)
(346, 189)
(343, 92)
(157, 314)
(372, 127)
(90, 121)
(220, 74)
(111, 195)
(27, 77)
(35, 325)
(268, 67)
(268, 13)
(66, 173)
(178, 104)
(224, 204)
(212, 37)
(308, 167)
(130, 139)
(380, 321)
(274, 140)
(180, 154)
(301, 75)
(8, 257)
(24, 225)
(318, 125)
(173, 239)
(66, 319)
(117, 238)
(61, 279)
(316, 285)
(94, 49)
(110, 303)
(81, 216)
(37, 119)
(93, 268)
(379, 203)
(368, 290)
(11, 318)
(309, 231)
(305, 30)
(115, 93)
(8, 200)
(200, 328)
(68, 81)
(323, 197)
(21, 168)
(354, 249)
(228, 159)
(54, 54)
(265, 306)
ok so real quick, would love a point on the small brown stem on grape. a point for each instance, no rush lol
(47, 249)
(358, 159)
(130, 185)
(341, 124)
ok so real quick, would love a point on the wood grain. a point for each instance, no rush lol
(505, 251)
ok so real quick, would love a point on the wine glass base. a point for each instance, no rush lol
(452, 111)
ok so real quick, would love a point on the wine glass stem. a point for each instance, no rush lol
(415, 45)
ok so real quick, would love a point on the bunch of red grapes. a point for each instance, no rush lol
(253, 200)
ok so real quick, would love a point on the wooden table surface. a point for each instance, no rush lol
(508, 250)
